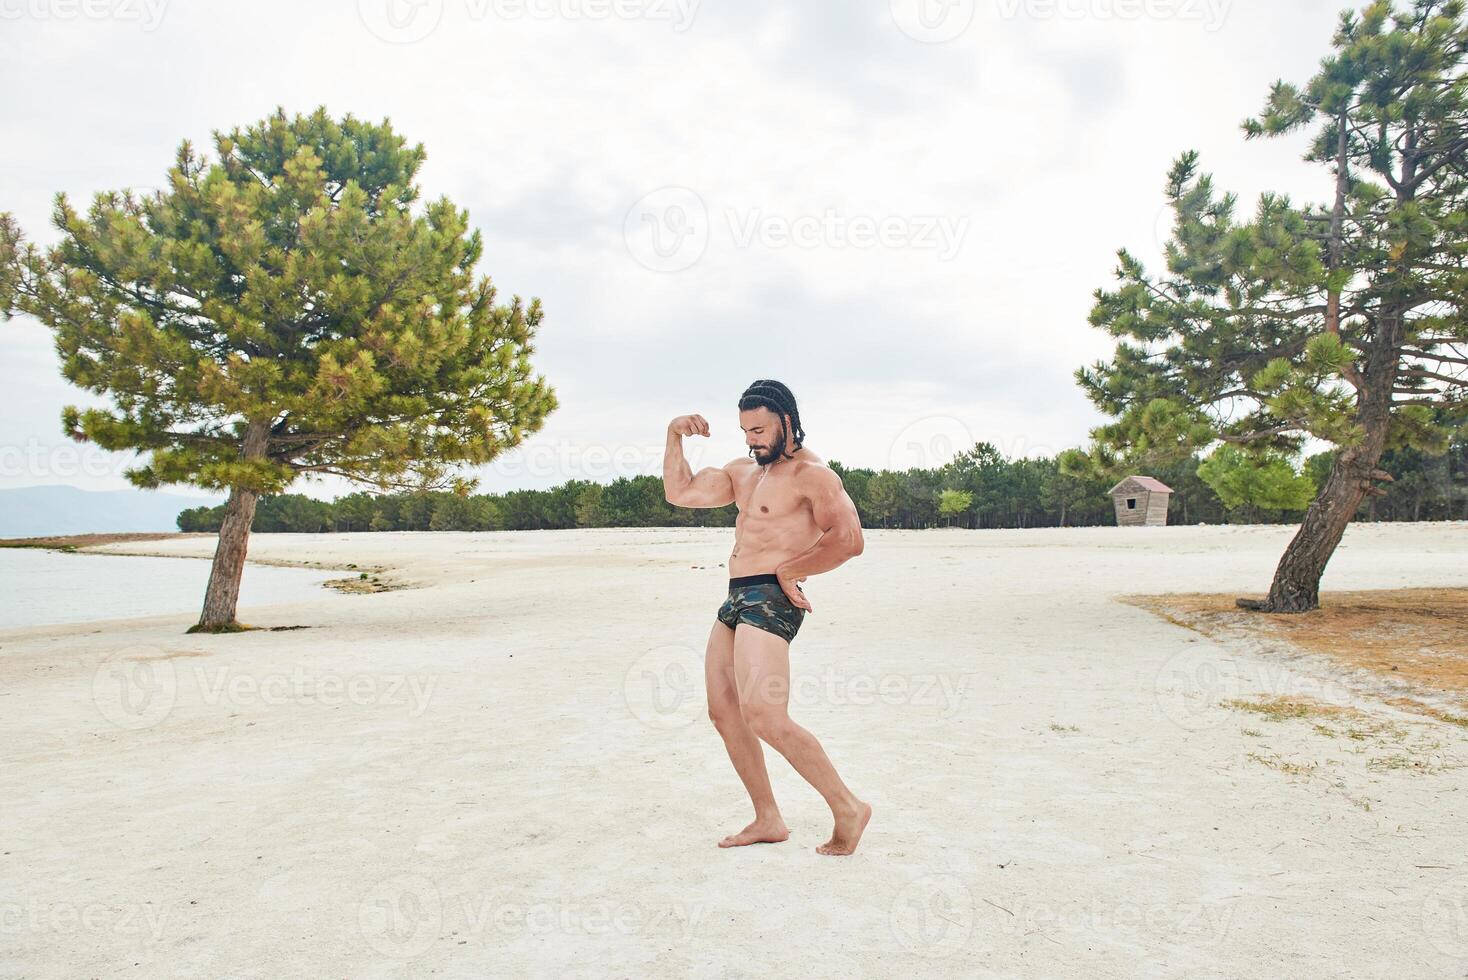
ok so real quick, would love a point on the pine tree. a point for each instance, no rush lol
(1335, 321)
(1240, 479)
(279, 312)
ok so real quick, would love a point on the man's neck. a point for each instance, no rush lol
(794, 454)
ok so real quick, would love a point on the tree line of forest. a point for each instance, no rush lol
(977, 489)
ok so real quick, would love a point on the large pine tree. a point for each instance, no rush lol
(1342, 321)
(277, 312)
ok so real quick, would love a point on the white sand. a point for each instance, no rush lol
(507, 771)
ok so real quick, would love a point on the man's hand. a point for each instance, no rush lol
(793, 592)
(689, 425)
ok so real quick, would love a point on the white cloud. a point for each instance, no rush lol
(1046, 139)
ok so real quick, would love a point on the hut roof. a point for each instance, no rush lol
(1146, 483)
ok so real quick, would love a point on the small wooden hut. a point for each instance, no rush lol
(1141, 502)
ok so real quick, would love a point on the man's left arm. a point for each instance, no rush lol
(836, 516)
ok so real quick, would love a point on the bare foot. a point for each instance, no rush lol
(759, 832)
(848, 830)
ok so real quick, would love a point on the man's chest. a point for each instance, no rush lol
(767, 495)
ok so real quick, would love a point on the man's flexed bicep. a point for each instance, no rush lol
(709, 487)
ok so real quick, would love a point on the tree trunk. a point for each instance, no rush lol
(223, 592)
(1296, 585)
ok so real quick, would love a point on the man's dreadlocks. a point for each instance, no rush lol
(766, 393)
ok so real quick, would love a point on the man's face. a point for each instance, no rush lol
(764, 434)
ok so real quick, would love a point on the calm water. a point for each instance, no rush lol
(39, 588)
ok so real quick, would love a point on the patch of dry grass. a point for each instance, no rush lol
(1398, 761)
(1460, 720)
(1413, 751)
(1275, 761)
(1418, 635)
(1353, 723)
(362, 583)
(1280, 708)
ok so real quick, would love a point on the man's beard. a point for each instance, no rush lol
(776, 450)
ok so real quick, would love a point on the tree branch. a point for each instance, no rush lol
(1434, 357)
(1432, 375)
(1263, 433)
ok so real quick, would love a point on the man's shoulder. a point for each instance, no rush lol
(812, 471)
(809, 456)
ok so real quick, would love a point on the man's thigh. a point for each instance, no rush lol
(718, 668)
(761, 668)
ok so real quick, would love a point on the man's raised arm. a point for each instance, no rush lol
(710, 487)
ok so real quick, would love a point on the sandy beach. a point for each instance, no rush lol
(502, 766)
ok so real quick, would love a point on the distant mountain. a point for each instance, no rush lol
(28, 512)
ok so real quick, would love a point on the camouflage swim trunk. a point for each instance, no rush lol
(758, 601)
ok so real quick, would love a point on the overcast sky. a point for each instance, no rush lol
(900, 209)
